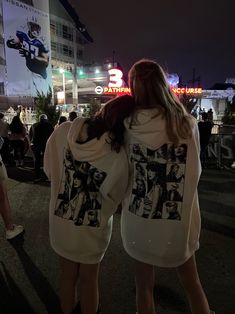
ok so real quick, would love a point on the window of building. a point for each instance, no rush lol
(67, 51)
(59, 48)
(59, 30)
(53, 27)
(67, 32)
(71, 52)
(53, 46)
(1, 88)
(79, 54)
(79, 39)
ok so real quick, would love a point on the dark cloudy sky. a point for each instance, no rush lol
(180, 35)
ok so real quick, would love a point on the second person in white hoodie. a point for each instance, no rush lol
(163, 229)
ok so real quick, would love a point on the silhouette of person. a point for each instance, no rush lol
(205, 128)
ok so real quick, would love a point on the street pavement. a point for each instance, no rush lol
(29, 267)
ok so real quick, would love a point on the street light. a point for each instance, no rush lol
(62, 72)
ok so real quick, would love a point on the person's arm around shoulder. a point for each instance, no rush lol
(76, 125)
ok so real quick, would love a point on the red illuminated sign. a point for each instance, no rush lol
(112, 90)
(185, 90)
(126, 90)
(116, 82)
(117, 90)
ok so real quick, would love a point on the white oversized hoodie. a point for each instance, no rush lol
(88, 181)
(160, 223)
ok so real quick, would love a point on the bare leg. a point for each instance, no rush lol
(189, 278)
(88, 288)
(144, 279)
(5, 209)
(68, 281)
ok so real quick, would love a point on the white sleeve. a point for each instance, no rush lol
(48, 155)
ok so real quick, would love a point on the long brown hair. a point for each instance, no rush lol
(150, 89)
(16, 126)
(110, 119)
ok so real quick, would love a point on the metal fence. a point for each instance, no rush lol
(221, 149)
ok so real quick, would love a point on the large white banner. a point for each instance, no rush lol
(27, 47)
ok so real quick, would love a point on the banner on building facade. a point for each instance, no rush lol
(221, 150)
(27, 48)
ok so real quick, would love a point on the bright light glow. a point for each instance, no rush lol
(186, 90)
(99, 90)
(109, 65)
(81, 72)
(61, 70)
(60, 95)
(173, 79)
(60, 98)
(112, 90)
(115, 78)
(97, 71)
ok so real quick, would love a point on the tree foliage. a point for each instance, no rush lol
(44, 105)
(93, 107)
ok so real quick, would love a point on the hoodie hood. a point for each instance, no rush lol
(84, 194)
(148, 128)
(86, 151)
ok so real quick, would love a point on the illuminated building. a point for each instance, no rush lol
(68, 37)
(73, 81)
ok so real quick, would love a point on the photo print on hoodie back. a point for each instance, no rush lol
(157, 191)
(79, 198)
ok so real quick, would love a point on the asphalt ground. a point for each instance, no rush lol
(29, 269)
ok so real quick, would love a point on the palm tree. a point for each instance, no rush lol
(44, 105)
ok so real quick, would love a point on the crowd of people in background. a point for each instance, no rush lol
(15, 142)
(19, 138)
(17, 133)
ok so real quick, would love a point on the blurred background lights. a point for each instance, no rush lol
(173, 79)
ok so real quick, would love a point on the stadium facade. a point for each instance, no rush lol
(42, 45)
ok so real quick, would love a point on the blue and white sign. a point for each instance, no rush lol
(27, 48)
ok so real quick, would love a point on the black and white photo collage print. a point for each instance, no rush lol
(79, 198)
(157, 192)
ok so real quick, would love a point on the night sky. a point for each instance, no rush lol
(180, 35)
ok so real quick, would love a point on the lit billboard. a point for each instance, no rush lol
(27, 48)
(115, 85)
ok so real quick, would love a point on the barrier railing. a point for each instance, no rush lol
(221, 148)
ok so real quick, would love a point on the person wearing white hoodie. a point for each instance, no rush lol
(88, 169)
(163, 233)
